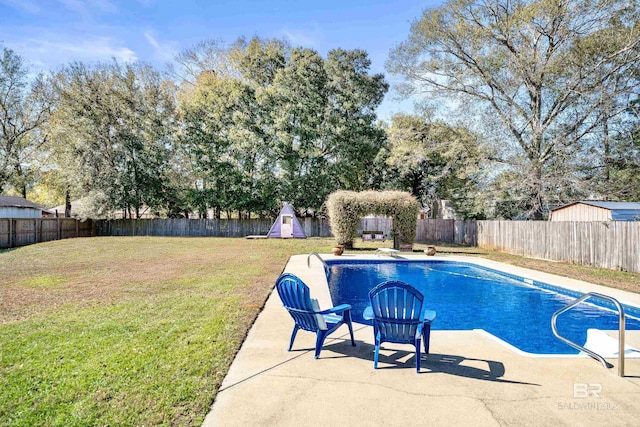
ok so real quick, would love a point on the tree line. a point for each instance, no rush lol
(523, 105)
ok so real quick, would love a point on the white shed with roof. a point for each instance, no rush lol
(589, 210)
(19, 207)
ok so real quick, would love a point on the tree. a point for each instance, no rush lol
(283, 123)
(549, 71)
(226, 116)
(258, 62)
(300, 96)
(206, 56)
(623, 170)
(208, 139)
(24, 109)
(354, 95)
(435, 162)
(114, 126)
(324, 119)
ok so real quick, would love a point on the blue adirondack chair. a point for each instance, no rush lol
(398, 317)
(296, 299)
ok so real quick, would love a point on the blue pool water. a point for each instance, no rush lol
(467, 296)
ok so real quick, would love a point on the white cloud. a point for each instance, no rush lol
(162, 50)
(312, 38)
(298, 38)
(151, 39)
(51, 50)
(100, 48)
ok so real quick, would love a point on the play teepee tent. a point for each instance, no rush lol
(287, 225)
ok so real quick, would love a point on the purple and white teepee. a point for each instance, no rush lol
(287, 226)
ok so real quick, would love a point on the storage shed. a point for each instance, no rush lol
(597, 211)
(19, 207)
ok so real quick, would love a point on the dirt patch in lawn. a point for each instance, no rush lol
(42, 277)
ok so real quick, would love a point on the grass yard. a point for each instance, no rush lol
(128, 331)
(141, 330)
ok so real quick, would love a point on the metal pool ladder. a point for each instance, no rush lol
(621, 320)
(324, 264)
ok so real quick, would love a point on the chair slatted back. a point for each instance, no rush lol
(296, 299)
(396, 307)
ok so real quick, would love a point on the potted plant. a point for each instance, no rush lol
(431, 250)
(337, 250)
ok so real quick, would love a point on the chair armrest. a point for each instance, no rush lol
(367, 314)
(427, 316)
(337, 309)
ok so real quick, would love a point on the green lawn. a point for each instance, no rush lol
(128, 331)
(141, 330)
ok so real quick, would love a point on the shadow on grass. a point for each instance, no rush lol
(461, 253)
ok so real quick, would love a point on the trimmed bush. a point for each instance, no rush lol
(345, 208)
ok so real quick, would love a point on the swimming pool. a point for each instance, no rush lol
(467, 296)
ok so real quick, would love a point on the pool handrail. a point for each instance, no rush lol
(324, 264)
(621, 327)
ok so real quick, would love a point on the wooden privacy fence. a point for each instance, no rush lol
(430, 230)
(316, 227)
(180, 227)
(613, 244)
(25, 231)
(459, 232)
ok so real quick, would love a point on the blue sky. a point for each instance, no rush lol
(51, 33)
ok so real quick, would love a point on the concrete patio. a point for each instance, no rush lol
(468, 379)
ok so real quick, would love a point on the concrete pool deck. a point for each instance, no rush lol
(468, 379)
